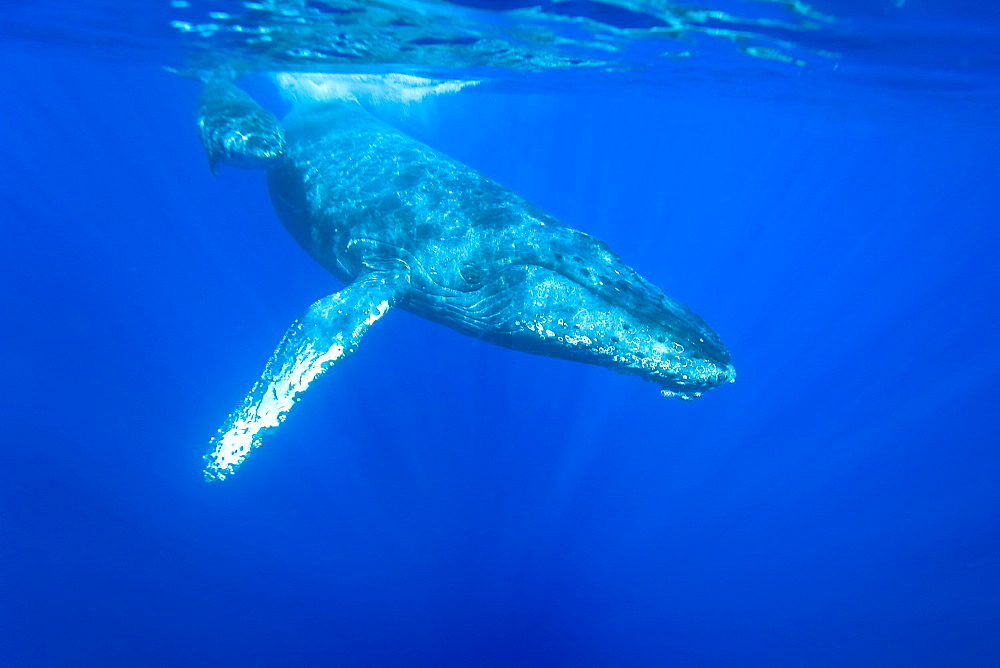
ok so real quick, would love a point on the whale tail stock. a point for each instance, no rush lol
(235, 130)
(328, 332)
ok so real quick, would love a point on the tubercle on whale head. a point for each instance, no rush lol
(549, 314)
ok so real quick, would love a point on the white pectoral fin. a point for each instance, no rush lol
(326, 333)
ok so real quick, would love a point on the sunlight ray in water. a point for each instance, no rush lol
(442, 501)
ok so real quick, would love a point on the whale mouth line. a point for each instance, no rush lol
(478, 290)
(529, 305)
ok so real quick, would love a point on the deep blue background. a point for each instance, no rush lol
(437, 501)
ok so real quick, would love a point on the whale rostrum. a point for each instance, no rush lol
(403, 225)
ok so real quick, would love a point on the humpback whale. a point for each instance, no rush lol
(405, 226)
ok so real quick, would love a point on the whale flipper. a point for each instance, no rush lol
(326, 333)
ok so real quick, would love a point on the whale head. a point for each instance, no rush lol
(636, 331)
(657, 339)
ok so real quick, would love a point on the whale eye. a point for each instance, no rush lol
(471, 274)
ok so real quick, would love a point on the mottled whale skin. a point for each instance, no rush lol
(403, 225)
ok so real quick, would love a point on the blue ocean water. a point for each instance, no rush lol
(438, 501)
